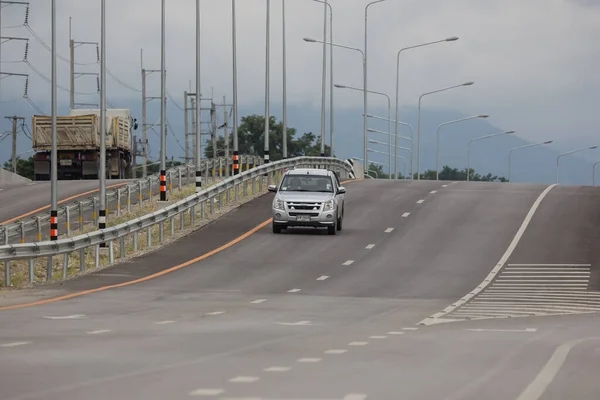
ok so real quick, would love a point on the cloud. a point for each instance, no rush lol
(533, 61)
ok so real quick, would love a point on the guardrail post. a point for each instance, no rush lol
(68, 220)
(220, 168)
(212, 205)
(49, 269)
(260, 183)
(161, 232)
(172, 226)
(38, 221)
(135, 241)
(220, 200)
(118, 202)
(95, 211)
(140, 194)
(97, 257)
(6, 263)
(179, 173)
(192, 215)
(148, 238)
(65, 265)
(187, 174)
(149, 188)
(80, 216)
(22, 229)
(111, 255)
(128, 201)
(30, 263)
(181, 221)
(170, 181)
(82, 259)
(122, 247)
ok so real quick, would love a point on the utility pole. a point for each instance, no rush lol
(213, 130)
(14, 140)
(225, 127)
(6, 39)
(192, 134)
(185, 127)
(145, 100)
(73, 74)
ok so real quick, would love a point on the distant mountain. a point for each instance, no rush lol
(535, 165)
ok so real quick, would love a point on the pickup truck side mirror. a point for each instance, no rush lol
(272, 188)
(341, 190)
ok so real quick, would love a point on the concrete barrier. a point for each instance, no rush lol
(7, 176)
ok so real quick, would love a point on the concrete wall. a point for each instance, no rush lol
(7, 176)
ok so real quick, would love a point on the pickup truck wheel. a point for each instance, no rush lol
(331, 230)
(276, 228)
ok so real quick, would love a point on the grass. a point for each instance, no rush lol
(202, 216)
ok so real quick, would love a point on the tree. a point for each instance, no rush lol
(24, 167)
(251, 140)
(376, 171)
(454, 174)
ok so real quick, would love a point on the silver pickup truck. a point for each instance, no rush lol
(308, 197)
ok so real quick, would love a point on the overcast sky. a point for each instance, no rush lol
(534, 62)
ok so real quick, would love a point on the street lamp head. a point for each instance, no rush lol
(309, 40)
(468, 83)
(593, 147)
(509, 132)
(371, 130)
(452, 39)
(340, 86)
(483, 116)
(549, 141)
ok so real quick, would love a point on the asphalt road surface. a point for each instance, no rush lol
(21, 199)
(374, 312)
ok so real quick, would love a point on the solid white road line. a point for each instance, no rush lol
(369, 246)
(406, 214)
(308, 360)
(14, 344)
(258, 301)
(388, 230)
(322, 277)
(548, 265)
(526, 330)
(244, 379)
(99, 331)
(294, 290)
(348, 262)
(538, 386)
(207, 392)
(499, 265)
(420, 201)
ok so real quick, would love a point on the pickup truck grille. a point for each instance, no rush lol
(303, 206)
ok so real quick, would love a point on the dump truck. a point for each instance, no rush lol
(78, 144)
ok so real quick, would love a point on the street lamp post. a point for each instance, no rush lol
(396, 122)
(330, 75)
(324, 80)
(389, 115)
(437, 146)
(419, 122)
(198, 172)
(523, 147)
(365, 86)
(53, 149)
(163, 109)
(309, 40)
(480, 138)
(102, 172)
(594, 173)
(567, 153)
(284, 113)
(236, 157)
(409, 149)
(450, 39)
(267, 61)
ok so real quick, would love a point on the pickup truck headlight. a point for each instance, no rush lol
(278, 204)
(328, 206)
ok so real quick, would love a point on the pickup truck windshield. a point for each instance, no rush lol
(307, 183)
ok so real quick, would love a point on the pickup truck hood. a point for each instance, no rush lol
(304, 196)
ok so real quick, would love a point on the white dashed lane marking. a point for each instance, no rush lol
(336, 351)
(388, 230)
(348, 262)
(277, 369)
(377, 337)
(395, 333)
(406, 214)
(444, 185)
(258, 301)
(420, 201)
(369, 246)
(215, 313)
(76, 316)
(244, 379)
(294, 290)
(433, 192)
(410, 329)
(308, 360)
(358, 343)
(165, 322)
(322, 277)
(99, 331)
(207, 392)
(14, 344)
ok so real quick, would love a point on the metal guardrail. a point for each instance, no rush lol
(136, 189)
(88, 245)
